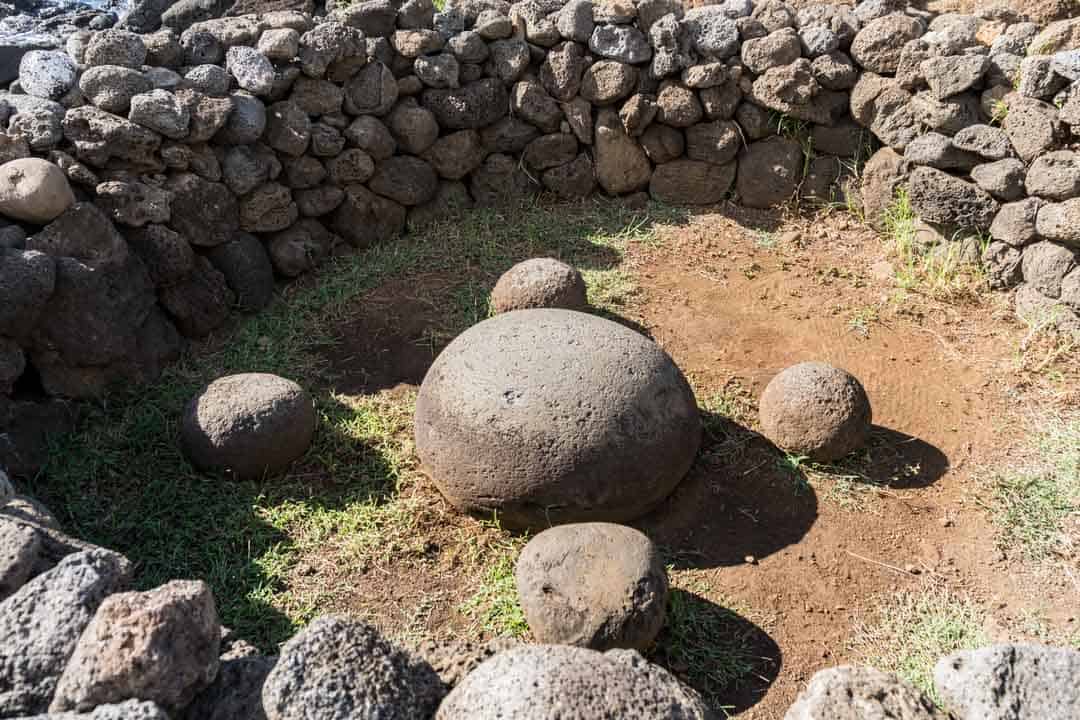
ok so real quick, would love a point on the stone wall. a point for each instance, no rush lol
(210, 156)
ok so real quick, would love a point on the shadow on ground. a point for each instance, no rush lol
(727, 658)
(738, 499)
(891, 459)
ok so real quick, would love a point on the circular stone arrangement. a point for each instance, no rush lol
(595, 585)
(529, 682)
(248, 425)
(816, 410)
(555, 416)
(539, 283)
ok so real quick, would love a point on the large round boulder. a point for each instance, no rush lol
(34, 191)
(248, 425)
(596, 585)
(555, 416)
(539, 283)
(815, 410)
(527, 683)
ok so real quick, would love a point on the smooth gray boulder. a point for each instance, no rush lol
(595, 585)
(1010, 682)
(555, 416)
(248, 425)
(526, 683)
(338, 668)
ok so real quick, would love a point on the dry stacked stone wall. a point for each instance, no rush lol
(212, 153)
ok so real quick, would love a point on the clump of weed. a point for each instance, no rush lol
(1036, 504)
(913, 629)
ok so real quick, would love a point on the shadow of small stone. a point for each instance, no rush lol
(891, 459)
(738, 500)
(727, 658)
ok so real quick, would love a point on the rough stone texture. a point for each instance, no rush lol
(161, 645)
(595, 585)
(1010, 682)
(816, 410)
(20, 546)
(338, 668)
(468, 408)
(691, 182)
(40, 626)
(854, 693)
(1060, 222)
(235, 693)
(769, 172)
(1045, 265)
(205, 213)
(247, 269)
(526, 682)
(199, 302)
(1003, 179)
(33, 190)
(539, 283)
(621, 163)
(248, 425)
(941, 198)
(453, 660)
(1055, 175)
(877, 47)
(1015, 222)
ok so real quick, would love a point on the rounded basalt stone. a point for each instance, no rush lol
(554, 416)
(816, 410)
(539, 283)
(596, 585)
(33, 190)
(528, 682)
(248, 425)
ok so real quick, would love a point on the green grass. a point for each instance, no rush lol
(494, 607)
(1033, 502)
(942, 273)
(715, 649)
(121, 481)
(913, 629)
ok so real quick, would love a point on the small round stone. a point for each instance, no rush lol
(596, 585)
(553, 416)
(248, 425)
(816, 410)
(34, 191)
(539, 283)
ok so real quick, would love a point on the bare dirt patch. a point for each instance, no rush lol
(787, 557)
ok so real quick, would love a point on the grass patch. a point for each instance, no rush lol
(913, 629)
(494, 607)
(353, 502)
(940, 271)
(1034, 504)
(714, 649)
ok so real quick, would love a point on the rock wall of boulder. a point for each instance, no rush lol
(194, 155)
(978, 116)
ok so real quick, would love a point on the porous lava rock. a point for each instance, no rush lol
(555, 416)
(852, 693)
(596, 585)
(248, 425)
(160, 645)
(539, 283)
(338, 668)
(815, 410)
(526, 683)
(1014, 682)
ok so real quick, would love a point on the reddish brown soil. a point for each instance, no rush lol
(800, 565)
